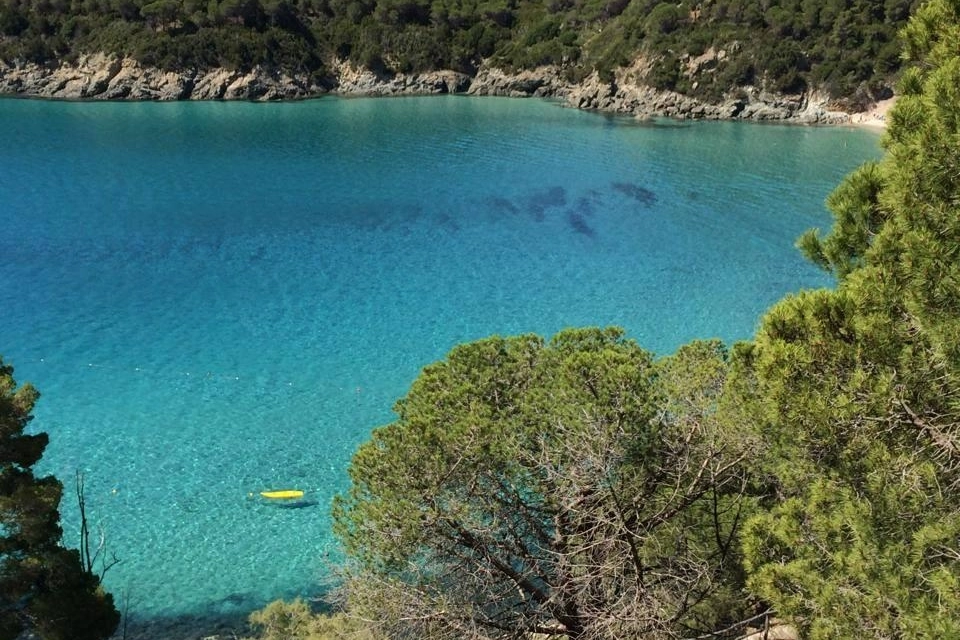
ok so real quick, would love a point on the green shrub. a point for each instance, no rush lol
(665, 73)
(294, 620)
(843, 44)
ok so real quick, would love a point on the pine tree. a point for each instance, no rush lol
(571, 488)
(44, 587)
(857, 390)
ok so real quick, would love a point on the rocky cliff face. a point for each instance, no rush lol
(102, 77)
(628, 95)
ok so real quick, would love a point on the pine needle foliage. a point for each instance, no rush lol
(572, 488)
(858, 388)
(44, 588)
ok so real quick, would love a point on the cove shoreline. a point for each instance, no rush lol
(216, 626)
(102, 77)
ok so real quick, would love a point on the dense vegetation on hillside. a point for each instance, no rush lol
(579, 488)
(858, 388)
(785, 45)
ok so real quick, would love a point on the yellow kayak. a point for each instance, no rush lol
(284, 494)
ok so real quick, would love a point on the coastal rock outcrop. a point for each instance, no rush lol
(625, 94)
(104, 77)
(544, 82)
(349, 79)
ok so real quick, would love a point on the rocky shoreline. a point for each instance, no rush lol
(103, 77)
(108, 78)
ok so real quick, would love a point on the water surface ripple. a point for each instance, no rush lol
(216, 299)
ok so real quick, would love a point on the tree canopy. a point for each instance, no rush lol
(581, 488)
(857, 388)
(848, 48)
(571, 488)
(44, 587)
(543, 470)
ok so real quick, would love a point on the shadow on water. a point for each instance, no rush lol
(665, 123)
(631, 120)
(221, 619)
(297, 504)
(187, 627)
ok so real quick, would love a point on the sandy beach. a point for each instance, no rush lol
(875, 116)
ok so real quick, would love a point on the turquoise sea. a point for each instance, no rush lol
(220, 298)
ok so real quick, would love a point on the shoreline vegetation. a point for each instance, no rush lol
(112, 78)
(809, 473)
(812, 63)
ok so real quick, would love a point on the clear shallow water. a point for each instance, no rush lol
(216, 299)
